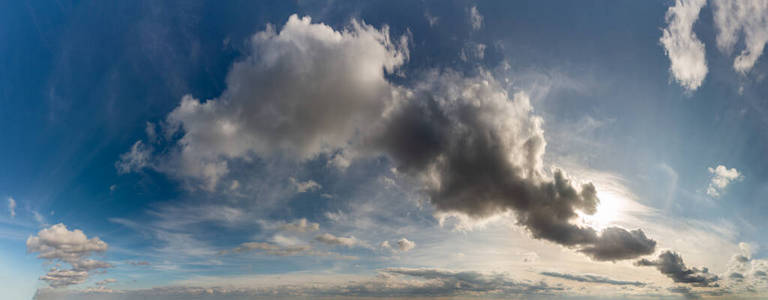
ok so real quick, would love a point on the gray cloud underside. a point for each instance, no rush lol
(671, 265)
(591, 279)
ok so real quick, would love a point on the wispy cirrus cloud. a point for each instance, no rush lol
(12, 207)
(591, 278)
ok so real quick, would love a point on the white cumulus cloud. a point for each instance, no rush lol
(305, 89)
(721, 178)
(686, 52)
(57, 243)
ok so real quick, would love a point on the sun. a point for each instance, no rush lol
(608, 211)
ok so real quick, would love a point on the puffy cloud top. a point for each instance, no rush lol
(721, 178)
(58, 242)
(305, 89)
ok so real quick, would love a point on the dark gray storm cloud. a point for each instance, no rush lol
(671, 264)
(479, 153)
(591, 278)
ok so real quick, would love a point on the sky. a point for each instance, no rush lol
(383, 149)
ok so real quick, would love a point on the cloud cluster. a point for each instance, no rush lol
(475, 150)
(737, 19)
(747, 273)
(591, 278)
(685, 51)
(721, 178)
(671, 264)
(57, 243)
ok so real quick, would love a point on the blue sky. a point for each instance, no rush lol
(548, 149)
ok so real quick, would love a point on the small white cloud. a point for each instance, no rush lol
(685, 51)
(304, 186)
(349, 242)
(112, 188)
(721, 178)
(12, 206)
(403, 245)
(475, 18)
